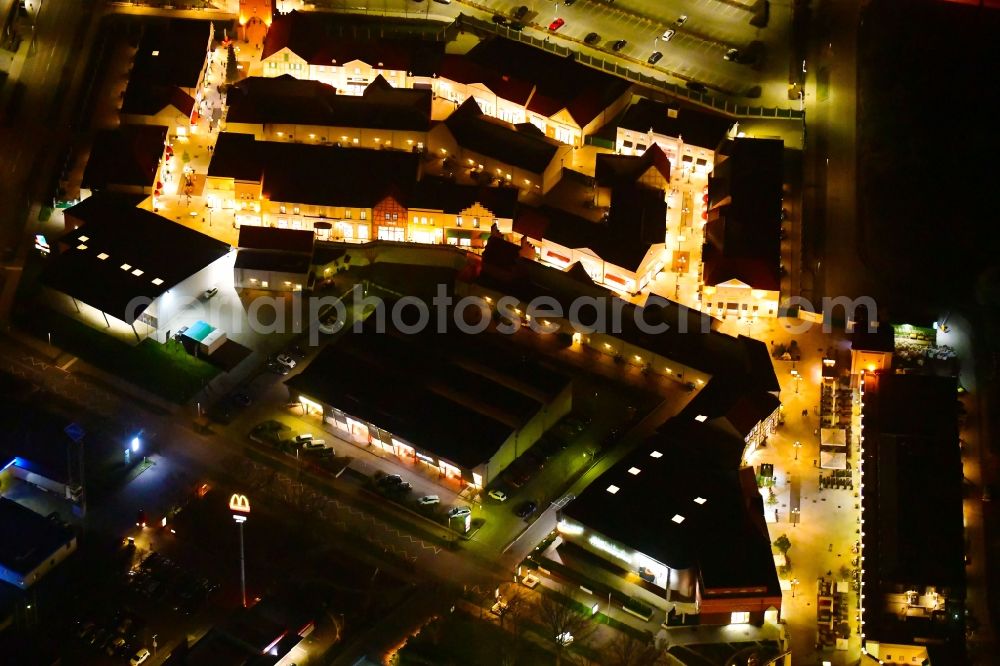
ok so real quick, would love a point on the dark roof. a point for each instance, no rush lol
(288, 100)
(463, 69)
(156, 80)
(439, 392)
(236, 156)
(442, 194)
(743, 234)
(882, 339)
(268, 260)
(693, 125)
(500, 140)
(160, 248)
(913, 483)
(729, 521)
(560, 82)
(325, 39)
(625, 170)
(725, 401)
(315, 175)
(636, 222)
(26, 538)
(127, 155)
(272, 238)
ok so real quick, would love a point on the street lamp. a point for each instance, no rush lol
(797, 445)
(794, 582)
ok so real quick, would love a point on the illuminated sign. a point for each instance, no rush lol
(42, 244)
(239, 503)
(429, 459)
(610, 548)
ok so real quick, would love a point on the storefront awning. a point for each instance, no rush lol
(833, 437)
(832, 460)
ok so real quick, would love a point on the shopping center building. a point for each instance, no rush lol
(464, 406)
(677, 525)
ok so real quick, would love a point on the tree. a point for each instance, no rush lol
(231, 70)
(627, 650)
(559, 614)
(783, 543)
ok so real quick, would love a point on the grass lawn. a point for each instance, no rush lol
(459, 639)
(165, 370)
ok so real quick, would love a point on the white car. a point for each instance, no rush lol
(285, 360)
(428, 500)
(303, 438)
(682, 19)
(140, 657)
(459, 511)
(668, 35)
(498, 495)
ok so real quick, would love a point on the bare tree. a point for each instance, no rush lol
(627, 650)
(561, 618)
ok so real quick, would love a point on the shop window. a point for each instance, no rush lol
(739, 617)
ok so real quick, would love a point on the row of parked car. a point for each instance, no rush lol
(117, 636)
(163, 581)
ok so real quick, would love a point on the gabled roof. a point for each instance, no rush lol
(635, 224)
(288, 100)
(462, 69)
(126, 155)
(163, 252)
(330, 39)
(695, 126)
(500, 140)
(444, 195)
(560, 82)
(315, 175)
(170, 56)
(743, 234)
(621, 170)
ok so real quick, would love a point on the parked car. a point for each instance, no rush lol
(592, 38)
(526, 509)
(115, 646)
(285, 360)
(500, 19)
(654, 58)
(668, 34)
(682, 19)
(695, 86)
(516, 26)
(390, 480)
(443, 2)
(459, 511)
(302, 438)
(732, 55)
(429, 500)
(498, 495)
(242, 399)
(619, 45)
(139, 657)
(558, 23)
(209, 293)
(520, 12)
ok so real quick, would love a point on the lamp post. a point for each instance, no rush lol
(240, 506)
(794, 582)
(797, 445)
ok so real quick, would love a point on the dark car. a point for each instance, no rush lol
(500, 19)
(619, 45)
(516, 26)
(390, 480)
(140, 518)
(592, 38)
(654, 58)
(520, 12)
(732, 55)
(526, 509)
(697, 87)
(242, 399)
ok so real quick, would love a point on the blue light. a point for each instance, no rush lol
(135, 445)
